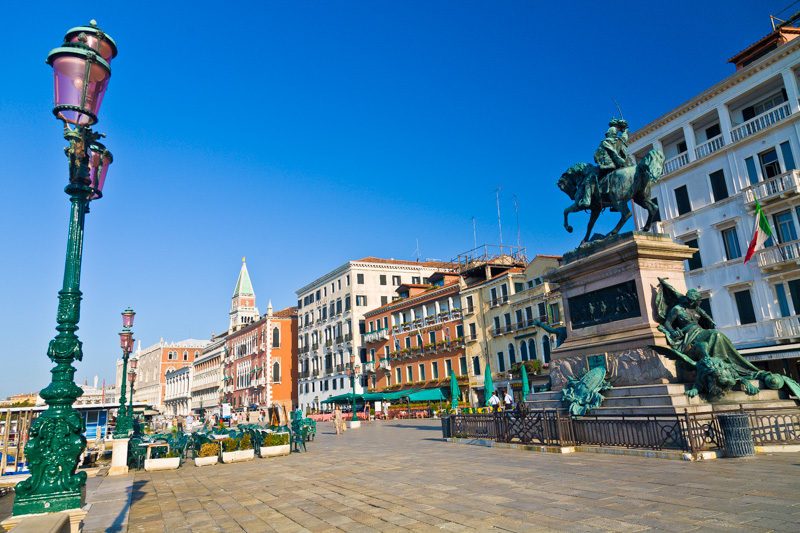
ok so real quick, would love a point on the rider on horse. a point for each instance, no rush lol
(611, 155)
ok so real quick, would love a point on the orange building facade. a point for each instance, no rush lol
(153, 364)
(260, 363)
(417, 340)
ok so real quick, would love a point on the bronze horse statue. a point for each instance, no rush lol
(615, 190)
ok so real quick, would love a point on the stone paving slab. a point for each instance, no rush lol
(400, 476)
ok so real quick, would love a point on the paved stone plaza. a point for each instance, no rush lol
(397, 476)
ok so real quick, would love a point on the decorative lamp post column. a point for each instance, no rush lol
(352, 373)
(124, 424)
(81, 72)
(132, 378)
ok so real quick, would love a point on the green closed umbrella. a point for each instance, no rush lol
(488, 386)
(526, 388)
(454, 391)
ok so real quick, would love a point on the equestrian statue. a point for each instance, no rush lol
(613, 182)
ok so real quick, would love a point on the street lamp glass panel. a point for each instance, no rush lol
(72, 69)
(131, 376)
(127, 318)
(99, 161)
(134, 363)
(92, 37)
(125, 339)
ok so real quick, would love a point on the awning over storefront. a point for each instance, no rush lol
(425, 395)
(341, 399)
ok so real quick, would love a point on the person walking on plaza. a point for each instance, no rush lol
(508, 400)
(494, 401)
(338, 423)
(180, 423)
(189, 421)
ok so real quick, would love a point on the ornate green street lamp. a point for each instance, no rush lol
(124, 424)
(352, 373)
(55, 443)
(132, 378)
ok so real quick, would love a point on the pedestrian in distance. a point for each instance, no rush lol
(508, 400)
(338, 423)
(494, 401)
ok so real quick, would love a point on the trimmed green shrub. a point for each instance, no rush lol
(209, 449)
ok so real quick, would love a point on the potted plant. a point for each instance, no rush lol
(275, 444)
(236, 450)
(209, 454)
(170, 461)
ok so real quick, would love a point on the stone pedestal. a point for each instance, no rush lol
(608, 293)
(355, 424)
(119, 457)
(62, 522)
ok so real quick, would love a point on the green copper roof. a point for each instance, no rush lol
(243, 285)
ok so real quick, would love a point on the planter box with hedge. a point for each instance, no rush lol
(275, 444)
(237, 450)
(209, 455)
(170, 462)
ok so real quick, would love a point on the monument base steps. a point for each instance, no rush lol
(666, 398)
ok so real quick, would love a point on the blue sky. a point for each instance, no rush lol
(302, 135)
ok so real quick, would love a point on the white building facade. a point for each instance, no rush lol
(331, 321)
(207, 377)
(178, 391)
(726, 149)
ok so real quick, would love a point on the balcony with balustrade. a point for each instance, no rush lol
(779, 259)
(761, 122)
(786, 329)
(674, 163)
(376, 335)
(773, 191)
(709, 147)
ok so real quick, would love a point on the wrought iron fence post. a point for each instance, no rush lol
(689, 436)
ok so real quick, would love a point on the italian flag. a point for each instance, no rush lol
(761, 233)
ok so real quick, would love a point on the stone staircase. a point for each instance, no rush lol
(668, 398)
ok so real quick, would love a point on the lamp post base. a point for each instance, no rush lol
(119, 458)
(74, 516)
(52, 502)
(355, 424)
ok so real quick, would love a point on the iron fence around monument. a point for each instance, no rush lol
(689, 432)
(770, 427)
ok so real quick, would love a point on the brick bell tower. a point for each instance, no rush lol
(243, 308)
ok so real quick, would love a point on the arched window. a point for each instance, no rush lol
(276, 337)
(276, 372)
(523, 351)
(546, 348)
(186, 355)
(512, 354)
(532, 349)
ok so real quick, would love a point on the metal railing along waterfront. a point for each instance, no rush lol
(689, 432)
